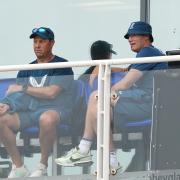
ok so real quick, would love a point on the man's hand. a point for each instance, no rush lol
(114, 97)
(3, 108)
(14, 88)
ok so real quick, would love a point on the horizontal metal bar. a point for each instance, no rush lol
(90, 63)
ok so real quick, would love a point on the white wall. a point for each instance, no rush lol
(76, 24)
(164, 18)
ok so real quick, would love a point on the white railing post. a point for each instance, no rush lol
(100, 117)
(103, 122)
(106, 120)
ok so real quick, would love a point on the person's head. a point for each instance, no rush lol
(139, 35)
(43, 41)
(101, 50)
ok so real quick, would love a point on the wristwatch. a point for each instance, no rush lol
(24, 87)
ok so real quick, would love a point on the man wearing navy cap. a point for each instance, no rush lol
(134, 93)
(49, 91)
(136, 88)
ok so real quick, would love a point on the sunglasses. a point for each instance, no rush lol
(40, 30)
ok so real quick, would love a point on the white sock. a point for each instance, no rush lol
(85, 145)
(19, 168)
(42, 166)
(113, 159)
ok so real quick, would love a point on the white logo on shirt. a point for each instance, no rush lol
(34, 83)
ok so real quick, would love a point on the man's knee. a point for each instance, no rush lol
(8, 121)
(48, 121)
(93, 97)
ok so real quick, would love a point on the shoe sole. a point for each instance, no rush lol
(66, 165)
(83, 163)
(75, 163)
(27, 175)
(38, 176)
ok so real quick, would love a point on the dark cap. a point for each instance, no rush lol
(43, 32)
(139, 28)
(101, 49)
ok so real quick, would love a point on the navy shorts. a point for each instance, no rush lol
(129, 111)
(31, 118)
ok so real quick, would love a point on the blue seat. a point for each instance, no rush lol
(140, 141)
(146, 122)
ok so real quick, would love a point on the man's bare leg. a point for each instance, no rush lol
(8, 137)
(91, 120)
(48, 134)
(91, 117)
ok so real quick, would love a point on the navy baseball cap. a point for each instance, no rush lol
(102, 47)
(43, 32)
(139, 28)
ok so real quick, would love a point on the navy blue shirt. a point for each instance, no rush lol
(62, 77)
(144, 85)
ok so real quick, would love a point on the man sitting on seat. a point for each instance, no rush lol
(136, 86)
(51, 89)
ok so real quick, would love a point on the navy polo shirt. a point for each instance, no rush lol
(62, 77)
(145, 83)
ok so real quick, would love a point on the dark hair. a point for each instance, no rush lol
(101, 50)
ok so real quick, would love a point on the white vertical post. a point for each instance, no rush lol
(103, 122)
(106, 134)
(100, 117)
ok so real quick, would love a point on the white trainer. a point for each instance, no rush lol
(18, 172)
(40, 171)
(74, 158)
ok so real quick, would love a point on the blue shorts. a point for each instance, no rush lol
(129, 111)
(31, 118)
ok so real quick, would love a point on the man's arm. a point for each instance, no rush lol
(48, 92)
(131, 77)
(119, 69)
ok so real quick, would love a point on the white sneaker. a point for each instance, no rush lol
(40, 171)
(74, 157)
(18, 172)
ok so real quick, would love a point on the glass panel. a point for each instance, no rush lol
(71, 104)
(131, 124)
(145, 125)
(147, 120)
